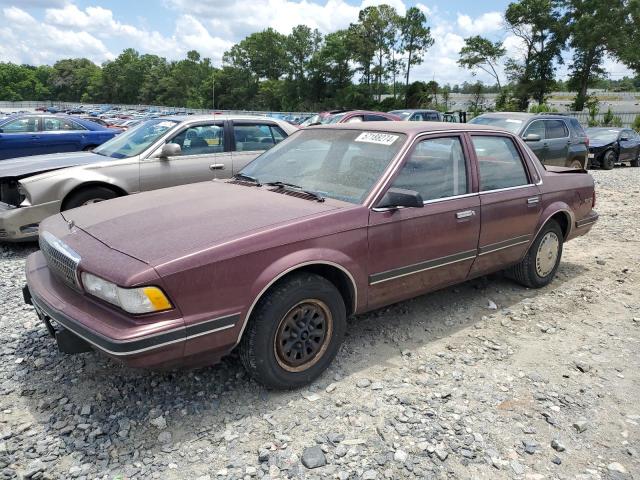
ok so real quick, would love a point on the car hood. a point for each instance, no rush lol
(595, 145)
(26, 166)
(162, 225)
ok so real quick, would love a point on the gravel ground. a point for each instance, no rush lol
(486, 380)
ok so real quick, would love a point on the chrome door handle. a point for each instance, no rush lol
(216, 166)
(465, 214)
(533, 200)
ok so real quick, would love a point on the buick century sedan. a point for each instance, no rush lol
(159, 153)
(334, 221)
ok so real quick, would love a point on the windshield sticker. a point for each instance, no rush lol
(379, 138)
(509, 120)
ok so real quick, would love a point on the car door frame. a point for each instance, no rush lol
(418, 272)
(217, 162)
(508, 250)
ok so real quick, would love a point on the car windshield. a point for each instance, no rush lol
(511, 124)
(401, 114)
(135, 140)
(335, 118)
(603, 136)
(339, 164)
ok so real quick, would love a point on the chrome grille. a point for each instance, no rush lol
(62, 260)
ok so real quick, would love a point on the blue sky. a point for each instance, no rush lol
(43, 31)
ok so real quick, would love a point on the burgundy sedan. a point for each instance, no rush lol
(335, 220)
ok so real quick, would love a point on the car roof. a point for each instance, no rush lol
(196, 118)
(524, 115)
(414, 110)
(409, 128)
(616, 129)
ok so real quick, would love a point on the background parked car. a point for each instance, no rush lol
(351, 116)
(158, 153)
(36, 134)
(413, 115)
(555, 139)
(611, 146)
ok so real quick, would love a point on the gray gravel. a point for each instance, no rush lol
(546, 385)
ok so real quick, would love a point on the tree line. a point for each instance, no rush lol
(367, 65)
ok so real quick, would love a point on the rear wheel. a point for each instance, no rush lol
(576, 164)
(539, 266)
(88, 196)
(295, 332)
(609, 160)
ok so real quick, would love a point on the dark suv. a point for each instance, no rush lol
(555, 139)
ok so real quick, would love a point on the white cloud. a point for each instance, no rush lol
(489, 22)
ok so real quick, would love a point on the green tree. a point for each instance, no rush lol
(589, 23)
(261, 53)
(481, 53)
(624, 44)
(537, 23)
(416, 39)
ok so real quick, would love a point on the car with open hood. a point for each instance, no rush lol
(610, 146)
(334, 221)
(158, 153)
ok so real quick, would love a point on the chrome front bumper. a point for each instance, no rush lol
(20, 224)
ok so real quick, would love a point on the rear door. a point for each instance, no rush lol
(19, 137)
(250, 139)
(415, 250)
(558, 142)
(509, 199)
(204, 155)
(60, 135)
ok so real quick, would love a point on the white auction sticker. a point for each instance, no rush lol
(379, 138)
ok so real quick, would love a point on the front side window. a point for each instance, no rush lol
(536, 128)
(499, 162)
(21, 125)
(135, 140)
(53, 124)
(340, 164)
(556, 129)
(435, 169)
(432, 117)
(512, 124)
(201, 139)
(376, 118)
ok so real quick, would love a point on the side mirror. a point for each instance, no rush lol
(170, 150)
(622, 139)
(398, 197)
(532, 137)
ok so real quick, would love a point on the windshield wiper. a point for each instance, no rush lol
(293, 186)
(244, 176)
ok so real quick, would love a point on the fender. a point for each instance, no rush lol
(94, 176)
(304, 258)
(550, 211)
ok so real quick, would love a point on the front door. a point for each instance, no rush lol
(415, 250)
(510, 203)
(539, 147)
(558, 142)
(60, 135)
(202, 158)
(19, 138)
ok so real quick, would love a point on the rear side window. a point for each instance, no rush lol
(556, 129)
(435, 169)
(577, 128)
(499, 162)
(52, 124)
(250, 138)
(432, 117)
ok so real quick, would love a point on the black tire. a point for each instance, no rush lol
(609, 160)
(264, 344)
(88, 195)
(577, 164)
(527, 272)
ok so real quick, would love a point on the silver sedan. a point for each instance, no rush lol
(158, 153)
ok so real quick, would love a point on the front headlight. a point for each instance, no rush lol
(132, 300)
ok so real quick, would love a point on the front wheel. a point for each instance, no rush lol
(294, 333)
(538, 268)
(609, 160)
(87, 196)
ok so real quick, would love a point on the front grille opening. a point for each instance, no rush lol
(61, 260)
